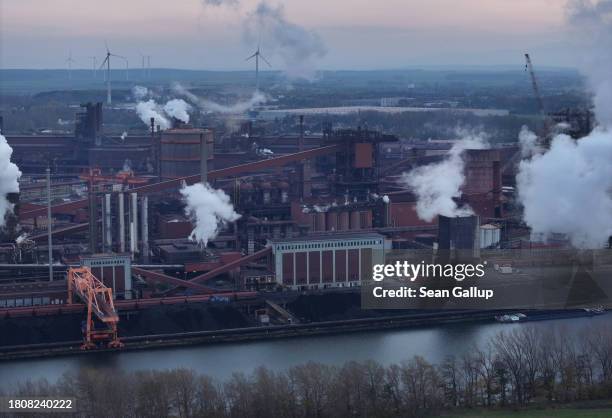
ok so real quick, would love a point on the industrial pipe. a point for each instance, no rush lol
(144, 216)
(49, 225)
(108, 223)
(121, 223)
(134, 224)
(203, 159)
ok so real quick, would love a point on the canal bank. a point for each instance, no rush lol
(220, 361)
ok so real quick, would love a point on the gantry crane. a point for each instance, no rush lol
(99, 300)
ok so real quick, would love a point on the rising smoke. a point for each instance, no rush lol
(150, 109)
(590, 24)
(257, 98)
(221, 2)
(9, 178)
(178, 109)
(209, 209)
(174, 108)
(528, 142)
(266, 25)
(437, 185)
(567, 188)
(140, 92)
(299, 48)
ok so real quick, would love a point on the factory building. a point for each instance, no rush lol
(483, 180)
(327, 260)
(182, 153)
(458, 238)
(114, 270)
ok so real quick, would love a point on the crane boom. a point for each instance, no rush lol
(534, 84)
(99, 300)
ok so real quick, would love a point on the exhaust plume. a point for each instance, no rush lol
(232, 3)
(591, 24)
(209, 209)
(298, 47)
(9, 178)
(178, 108)
(210, 106)
(437, 185)
(150, 109)
(567, 189)
(528, 142)
(140, 92)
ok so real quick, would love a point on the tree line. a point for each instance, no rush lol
(522, 367)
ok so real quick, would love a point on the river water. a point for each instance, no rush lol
(221, 360)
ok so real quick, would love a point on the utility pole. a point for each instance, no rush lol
(49, 225)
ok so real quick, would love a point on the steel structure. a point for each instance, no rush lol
(534, 84)
(99, 300)
(176, 183)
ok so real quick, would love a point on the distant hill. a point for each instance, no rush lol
(29, 82)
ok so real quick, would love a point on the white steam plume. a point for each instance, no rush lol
(9, 178)
(591, 25)
(437, 185)
(209, 209)
(221, 2)
(140, 92)
(178, 108)
(568, 188)
(528, 142)
(299, 48)
(150, 109)
(210, 106)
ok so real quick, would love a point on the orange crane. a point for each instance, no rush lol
(99, 300)
(94, 175)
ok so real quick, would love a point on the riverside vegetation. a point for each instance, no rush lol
(520, 368)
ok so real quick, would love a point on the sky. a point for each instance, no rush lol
(350, 34)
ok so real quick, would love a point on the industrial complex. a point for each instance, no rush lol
(105, 231)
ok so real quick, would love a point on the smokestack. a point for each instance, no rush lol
(301, 140)
(49, 225)
(1, 124)
(144, 216)
(93, 216)
(121, 223)
(203, 159)
(107, 223)
(134, 224)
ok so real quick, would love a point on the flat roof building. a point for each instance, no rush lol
(327, 260)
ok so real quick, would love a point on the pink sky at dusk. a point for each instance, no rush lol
(359, 34)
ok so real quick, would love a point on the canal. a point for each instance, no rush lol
(219, 361)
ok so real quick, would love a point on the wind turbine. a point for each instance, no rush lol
(69, 60)
(258, 55)
(94, 61)
(107, 61)
(143, 64)
(146, 65)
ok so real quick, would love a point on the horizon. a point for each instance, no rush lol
(220, 37)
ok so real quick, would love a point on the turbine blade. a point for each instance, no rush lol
(265, 60)
(103, 62)
(252, 56)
